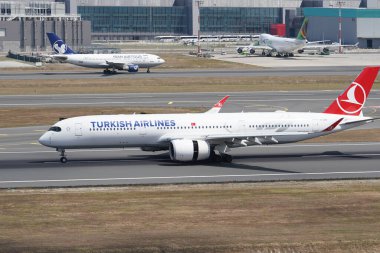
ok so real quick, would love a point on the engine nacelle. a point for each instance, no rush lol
(252, 51)
(240, 50)
(189, 150)
(301, 51)
(132, 68)
(325, 50)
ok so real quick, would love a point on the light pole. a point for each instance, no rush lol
(340, 26)
(199, 2)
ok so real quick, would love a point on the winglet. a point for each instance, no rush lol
(333, 126)
(58, 44)
(352, 100)
(216, 108)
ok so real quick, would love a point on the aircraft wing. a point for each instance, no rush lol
(261, 47)
(59, 57)
(253, 135)
(216, 108)
(116, 65)
(323, 47)
(235, 138)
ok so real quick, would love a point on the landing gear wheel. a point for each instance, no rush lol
(63, 160)
(226, 158)
(214, 157)
(148, 70)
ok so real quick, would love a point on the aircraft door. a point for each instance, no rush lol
(78, 129)
(242, 126)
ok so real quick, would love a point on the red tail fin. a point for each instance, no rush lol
(352, 100)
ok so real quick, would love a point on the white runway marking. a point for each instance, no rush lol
(190, 177)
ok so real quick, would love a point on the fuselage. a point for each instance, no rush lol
(157, 130)
(282, 45)
(104, 60)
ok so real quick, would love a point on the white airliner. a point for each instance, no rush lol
(128, 62)
(269, 44)
(202, 136)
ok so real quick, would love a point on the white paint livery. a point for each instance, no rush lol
(202, 136)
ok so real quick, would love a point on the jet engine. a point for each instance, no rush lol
(132, 68)
(240, 50)
(325, 50)
(252, 51)
(301, 51)
(189, 150)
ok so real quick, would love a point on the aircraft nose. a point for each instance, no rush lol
(162, 61)
(45, 139)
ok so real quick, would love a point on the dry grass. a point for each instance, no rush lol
(34, 116)
(271, 217)
(153, 85)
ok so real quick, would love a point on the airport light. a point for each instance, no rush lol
(199, 2)
(340, 26)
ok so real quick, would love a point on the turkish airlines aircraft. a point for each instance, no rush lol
(128, 62)
(202, 136)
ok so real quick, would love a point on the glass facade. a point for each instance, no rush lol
(219, 20)
(136, 20)
(132, 22)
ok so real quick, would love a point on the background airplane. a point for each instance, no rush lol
(128, 62)
(269, 44)
(201, 136)
(324, 49)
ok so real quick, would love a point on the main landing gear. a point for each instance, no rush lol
(148, 70)
(62, 154)
(222, 157)
(109, 72)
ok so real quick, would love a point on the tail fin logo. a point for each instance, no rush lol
(353, 100)
(59, 47)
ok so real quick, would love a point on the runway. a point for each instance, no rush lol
(25, 163)
(81, 73)
(259, 101)
(24, 166)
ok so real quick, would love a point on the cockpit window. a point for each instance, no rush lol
(55, 129)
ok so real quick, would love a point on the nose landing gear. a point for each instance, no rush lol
(62, 154)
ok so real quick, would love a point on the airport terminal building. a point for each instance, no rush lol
(23, 24)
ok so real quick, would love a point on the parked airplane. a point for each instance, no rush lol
(325, 49)
(128, 62)
(270, 44)
(201, 136)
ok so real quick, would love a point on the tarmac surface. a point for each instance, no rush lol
(82, 73)
(348, 59)
(22, 166)
(25, 163)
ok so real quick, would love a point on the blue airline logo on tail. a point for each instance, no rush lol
(58, 44)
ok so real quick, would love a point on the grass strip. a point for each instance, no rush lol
(159, 85)
(335, 216)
